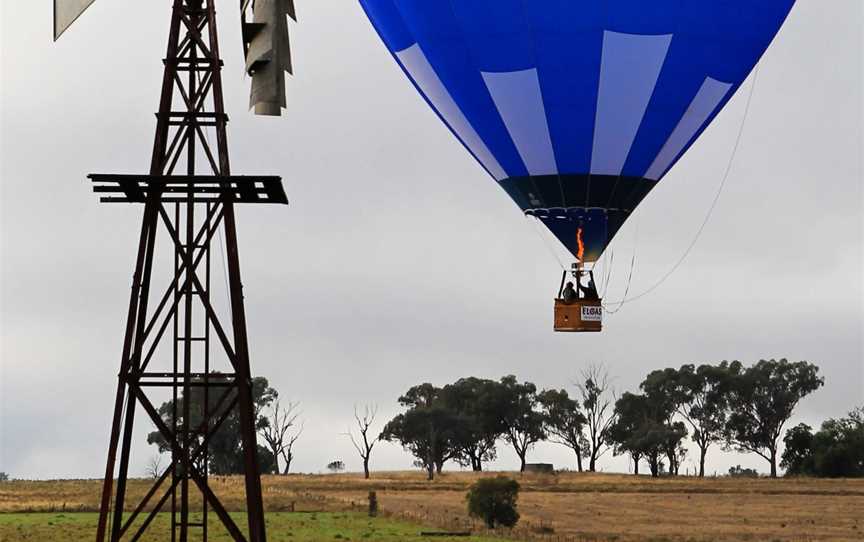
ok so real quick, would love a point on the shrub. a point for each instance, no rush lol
(494, 501)
(336, 466)
(4, 477)
(742, 472)
(836, 450)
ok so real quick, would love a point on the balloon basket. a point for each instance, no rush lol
(580, 315)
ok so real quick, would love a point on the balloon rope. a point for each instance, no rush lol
(606, 308)
(680, 261)
(607, 268)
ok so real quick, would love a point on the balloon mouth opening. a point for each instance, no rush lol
(583, 231)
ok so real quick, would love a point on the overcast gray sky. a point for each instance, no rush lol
(399, 260)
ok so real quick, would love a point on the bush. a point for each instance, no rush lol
(836, 450)
(494, 501)
(741, 472)
(4, 477)
(336, 466)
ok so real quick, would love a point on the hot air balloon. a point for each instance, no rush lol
(577, 108)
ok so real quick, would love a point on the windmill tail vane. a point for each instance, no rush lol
(67, 12)
(268, 52)
(266, 46)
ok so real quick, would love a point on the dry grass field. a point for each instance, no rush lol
(564, 506)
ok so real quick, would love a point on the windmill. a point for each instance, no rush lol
(193, 208)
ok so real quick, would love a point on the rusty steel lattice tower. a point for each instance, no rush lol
(193, 210)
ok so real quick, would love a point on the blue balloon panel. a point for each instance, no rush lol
(577, 108)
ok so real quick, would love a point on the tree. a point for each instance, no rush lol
(643, 428)
(266, 461)
(153, 469)
(705, 404)
(288, 447)
(839, 446)
(363, 444)
(521, 419)
(623, 432)
(494, 501)
(674, 433)
(836, 450)
(664, 396)
(336, 466)
(762, 399)
(425, 429)
(277, 435)
(475, 403)
(225, 450)
(421, 432)
(597, 395)
(797, 456)
(564, 422)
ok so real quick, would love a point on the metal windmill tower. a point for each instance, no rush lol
(193, 207)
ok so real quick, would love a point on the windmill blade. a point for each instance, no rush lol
(66, 12)
(268, 52)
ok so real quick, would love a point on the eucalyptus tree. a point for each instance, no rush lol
(835, 450)
(475, 404)
(521, 417)
(564, 422)
(644, 429)
(762, 400)
(706, 403)
(225, 448)
(425, 429)
(664, 396)
(625, 433)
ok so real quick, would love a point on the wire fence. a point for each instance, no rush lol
(456, 522)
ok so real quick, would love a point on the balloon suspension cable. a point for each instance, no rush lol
(618, 305)
(607, 271)
(708, 215)
(546, 242)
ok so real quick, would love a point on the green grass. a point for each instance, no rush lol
(281, 527)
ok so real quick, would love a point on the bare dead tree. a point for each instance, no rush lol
(277, 432)
(288, 448)
(153, 469)
(598, 404)
(362, 443)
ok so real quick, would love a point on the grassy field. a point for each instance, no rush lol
(565, 506)
(281, 527)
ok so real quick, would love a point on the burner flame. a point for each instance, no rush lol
(580, 253)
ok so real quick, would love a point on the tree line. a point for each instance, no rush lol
(726, 405)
